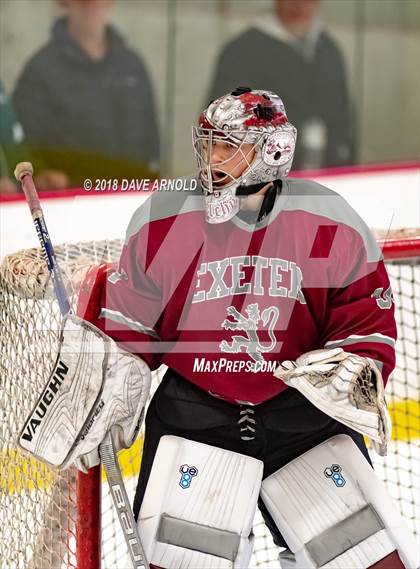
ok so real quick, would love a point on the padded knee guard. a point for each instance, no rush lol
(335, 513)
(199, 506)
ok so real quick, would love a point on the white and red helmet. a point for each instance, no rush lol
(245, 116)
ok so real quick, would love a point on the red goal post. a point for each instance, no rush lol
(52, 520)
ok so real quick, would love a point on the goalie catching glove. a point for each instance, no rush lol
(347, 387)
(95, 387)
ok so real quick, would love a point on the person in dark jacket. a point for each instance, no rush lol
(11, 143)
(86, 100)
(13, 150)
(295, 56)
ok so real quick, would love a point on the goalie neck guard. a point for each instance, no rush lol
(243, 141)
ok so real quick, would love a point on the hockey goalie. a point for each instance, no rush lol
(268, 300)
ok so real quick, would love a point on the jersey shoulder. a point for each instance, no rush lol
(165, 204)
(314, 199)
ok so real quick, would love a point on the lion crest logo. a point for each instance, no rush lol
(250, 343)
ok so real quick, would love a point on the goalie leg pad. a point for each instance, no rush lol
(334, 512)
(199, 506)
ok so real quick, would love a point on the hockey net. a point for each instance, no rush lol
(50, 519)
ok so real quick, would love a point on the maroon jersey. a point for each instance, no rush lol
(223, 304)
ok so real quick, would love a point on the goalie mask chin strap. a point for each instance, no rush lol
(269, 196)
(250, 190)
(269, 199)
(109, 459)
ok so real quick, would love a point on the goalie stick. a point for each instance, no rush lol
(23, 173)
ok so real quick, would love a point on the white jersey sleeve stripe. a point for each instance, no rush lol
(119, 318)
(356, 339)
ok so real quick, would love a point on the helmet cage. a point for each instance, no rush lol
(203, 141)
(272, 156)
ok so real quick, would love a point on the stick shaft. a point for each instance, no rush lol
(34, 204)
(109, 459)
(31, 194)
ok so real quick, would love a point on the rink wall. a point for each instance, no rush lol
(386, 197)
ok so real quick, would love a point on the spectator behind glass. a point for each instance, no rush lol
(14, 150)
(295, 56)
(86, 102)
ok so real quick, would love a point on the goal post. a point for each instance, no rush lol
(88, 526)
(53, 520)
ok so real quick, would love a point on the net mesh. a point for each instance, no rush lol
(38, 513)
(401, 468)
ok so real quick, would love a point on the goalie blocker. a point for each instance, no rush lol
(328, 504)
(95, 387)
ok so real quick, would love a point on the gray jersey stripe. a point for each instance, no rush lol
(297, 195)
(314, 198)
(161, 205)
(311, 197)
(355, 339)
(119, 318)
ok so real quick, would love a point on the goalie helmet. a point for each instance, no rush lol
(254, 125)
